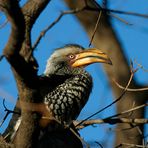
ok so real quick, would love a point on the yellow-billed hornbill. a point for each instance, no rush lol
(68, 98)
(66, 85)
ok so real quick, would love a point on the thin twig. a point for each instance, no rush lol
(65, 126)
(1, 57)
(84, 142)
(141, 134)
(119, 98)
(127, 13)
(131, 145)
(127, 111)
(130, 89)
(99, 144)
(8, 112)
(96, 4)
(140, 65)
(118, 11)
(55, 22)
(4, 24)
(108, 11)
(95, 29)
(111, 121)
(120, 19)
(131, 113)
(86, 7)
(130, 128)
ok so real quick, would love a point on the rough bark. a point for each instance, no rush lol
(25, 74)
(19, 54)
(106, 39)
(3, 144)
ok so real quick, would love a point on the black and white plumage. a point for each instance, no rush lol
(65, 86)
(68, 98)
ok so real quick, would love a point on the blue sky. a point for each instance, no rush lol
(133, 37)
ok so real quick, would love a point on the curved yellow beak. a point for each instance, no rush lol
(90, 56)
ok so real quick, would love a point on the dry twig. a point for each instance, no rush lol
(141, 66)
(119, 98)
(1, 57)
(120, 19)
(7, 113)
(4, 24)
(127, 111)
(84, 142)
(87, 8)
(130, 89)
(109, 121)
(130, 145)
(95, 29)
(55, 22)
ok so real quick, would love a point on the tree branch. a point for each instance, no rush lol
(13, 12)
(25, 74)
(128, 111)
(8, 111)
(43, 32)
(116, 100)
(11, 51)
(130, 145)
(106, 39)
(105, 9)
(109, 121)
(131, 89)
(31, 10)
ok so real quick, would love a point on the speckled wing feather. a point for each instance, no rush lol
(67, 99)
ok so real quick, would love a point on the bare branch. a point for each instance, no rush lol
(140, 65)
(25, 75)
(127, 111)
(127, 13)
(107, 35)
(77, 10)
(7, 113)
(42, 34)
(130, 145)
(11, 51)
(4, 24)
(99, 144)
(120, 19)
(96, 4)
(117, 11)
(13, 13)
(84, 142)
(95, 29)
(130, 89)
(110, 121)
(1, 57)
(119, 98)
(110, 12)
(32, 9)
(3, 143)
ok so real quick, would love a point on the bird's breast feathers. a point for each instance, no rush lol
(67, 99)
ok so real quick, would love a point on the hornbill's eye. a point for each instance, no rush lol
(71, 56)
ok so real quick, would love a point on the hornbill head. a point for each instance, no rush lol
(67, 60)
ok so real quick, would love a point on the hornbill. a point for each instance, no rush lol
(68, 85)
(67, 99)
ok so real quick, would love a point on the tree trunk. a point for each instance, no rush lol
(106, 39)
